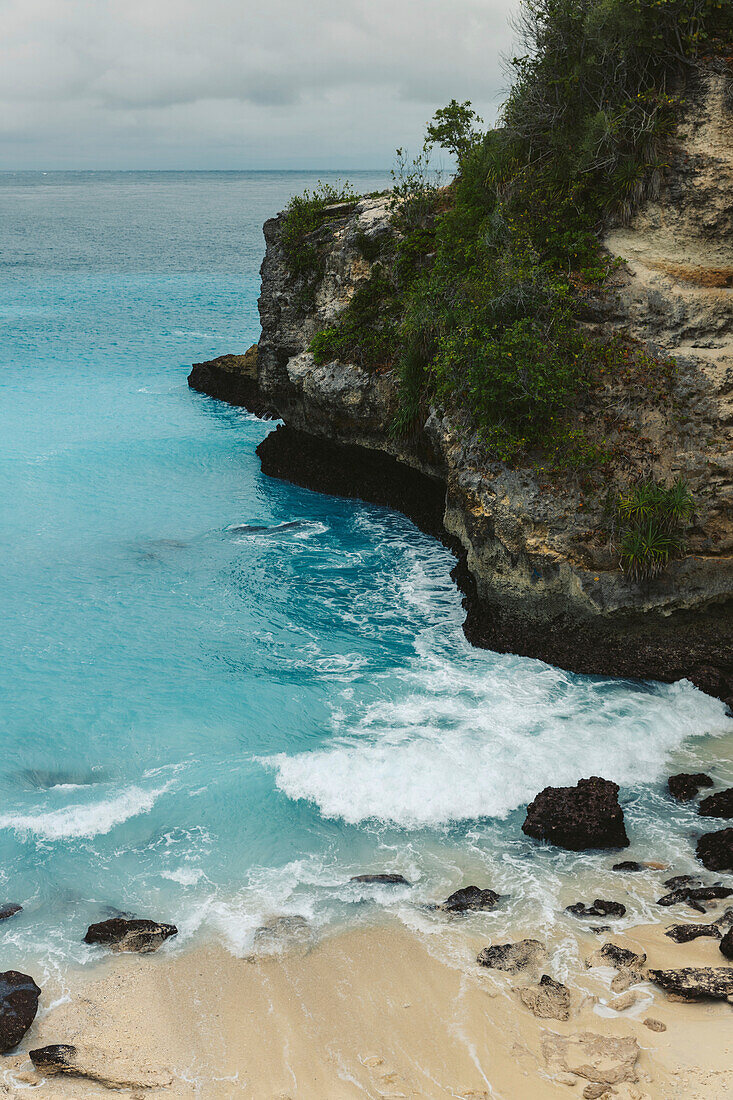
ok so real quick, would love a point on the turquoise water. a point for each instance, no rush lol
(223, 695)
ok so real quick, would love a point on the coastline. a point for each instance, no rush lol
(377, 1011)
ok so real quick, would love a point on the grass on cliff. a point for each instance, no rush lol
(302, 245)
(650, 522)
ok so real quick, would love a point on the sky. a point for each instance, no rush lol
(239, 84)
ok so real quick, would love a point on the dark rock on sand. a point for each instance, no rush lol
(676, 881)
(511, 957)
(585, 816)
(599, 908)
(9, 911)
(683, 933)
(726, 944)
(384, 880)
(717, 805)
(693, 983)
(628, 865)
(130, 935)
(106, 1066)
(470, 898)
(686, 785)
(715, 850)
(619, 957)
(695, 895)
(18, 1006)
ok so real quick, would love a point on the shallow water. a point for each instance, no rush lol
(224, 695)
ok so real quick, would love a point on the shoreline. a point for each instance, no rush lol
(376, 1011)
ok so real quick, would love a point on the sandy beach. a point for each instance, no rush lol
(378, 1011)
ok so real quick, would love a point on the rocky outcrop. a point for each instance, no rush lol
(693, 983)
(538, 572)
(512, 957)
(715, 850)
(585, 816)
(121, 934)
(18, 1006)
(686, 785)
(470, 898)
(10, 910)
(717, 805)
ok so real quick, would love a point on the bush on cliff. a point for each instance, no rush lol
(303, 248)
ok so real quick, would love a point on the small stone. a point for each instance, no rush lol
(686, 785)
(285, 933)
(626, 1000)
(382, 879)
(600, 1059)
(626, 978)
(654, 1025)
(512, 957)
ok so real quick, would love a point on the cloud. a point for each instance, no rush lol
(234, 83)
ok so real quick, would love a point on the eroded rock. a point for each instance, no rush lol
(619, 957)
(512, 957)
(18, 1006)
(602, 1059)
(726, 944)
(694, 983)
(95, 1064)
(585, 816)
(10, 910)
(717, 805)
(470, 898)
(684, 933)
(550, 1000)
(715, 850)
(599, 908)
(121, 934)
(694, 896)
(686, 785)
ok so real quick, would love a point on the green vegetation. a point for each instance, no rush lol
(303, 248)
(650, 523)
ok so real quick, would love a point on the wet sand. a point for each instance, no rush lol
(373, 1012)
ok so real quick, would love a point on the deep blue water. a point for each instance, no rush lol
(223, 695)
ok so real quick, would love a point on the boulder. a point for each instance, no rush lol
(512, 957)
(619, 957)
(469, 898)
(694, 983)
(585, 816)
(676, 881)
(715, 850)
(628, 865)
(550, 1000)
(683, 933)
(686, 785)
(106, 1067)
(18, 1006)
(717, 805)
(121, 934)
(602, 1059)
(726, 944)
(599, 908)
(382, 879)
(10, 910)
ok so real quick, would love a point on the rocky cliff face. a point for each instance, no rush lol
(540, 576)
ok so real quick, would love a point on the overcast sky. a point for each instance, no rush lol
(238, 83)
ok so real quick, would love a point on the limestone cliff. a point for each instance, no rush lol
(540, 574)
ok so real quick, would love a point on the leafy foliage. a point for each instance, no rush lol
(650, 522)
(304, 215)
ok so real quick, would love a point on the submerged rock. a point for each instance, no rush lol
(18, 1006)
(121, 934)
(382, 879)
(512, 957)
(682, 880)
(283, 933)
(585, 816)
(628, 865)
(470, 898)
(599, 908)
(10, 910)
(686, 785)
(550, 1000)
(717, 805)
(715, 850)
(693, 983)
(105, 1067)
(695, 895)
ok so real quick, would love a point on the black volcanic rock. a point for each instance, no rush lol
(717, 805)
(715, 850)
(693, 983)
(628, 865)
(694, 896)
(382, 879)
(585, 816)
(18, 1006)
(10, 910)
(682, 880)
(685, 785)
(683, 933)
(599, 908)
(726, 944)
(130, 935)
(470, 897)
(511, 957)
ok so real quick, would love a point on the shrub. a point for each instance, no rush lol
(650, 525)
(304, 215)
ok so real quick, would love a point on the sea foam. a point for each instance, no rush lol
(84, 819)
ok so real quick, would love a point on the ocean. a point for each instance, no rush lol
(222, 695)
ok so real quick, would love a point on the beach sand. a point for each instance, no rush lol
(378, 1011)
